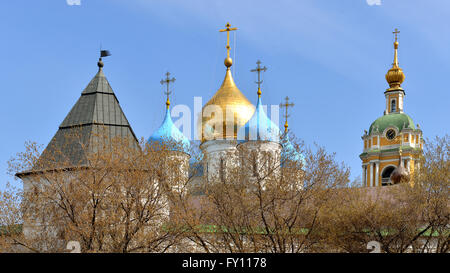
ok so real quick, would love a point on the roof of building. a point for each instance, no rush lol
(289, 152)
(398, 120)
(168, 132)
(259, 127)
(235, 109)
(96, 112)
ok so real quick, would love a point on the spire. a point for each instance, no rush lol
(96, 111)
(395, 64)
(228, 61)
(395, 75)
(286, 115)
(258, 70)
(167, 92)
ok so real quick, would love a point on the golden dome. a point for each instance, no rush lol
(236, 111)
(395, 76)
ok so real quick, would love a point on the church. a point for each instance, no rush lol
(231, 125)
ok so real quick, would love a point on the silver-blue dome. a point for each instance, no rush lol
(168, 132)
(259, 127)
(289, 152)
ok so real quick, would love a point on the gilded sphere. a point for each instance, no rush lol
(228, 62)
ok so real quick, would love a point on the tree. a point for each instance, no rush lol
(10, 218)
(115, 200)
(129, 197)
(403, 218)
(263, 204)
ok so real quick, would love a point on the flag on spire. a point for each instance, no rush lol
(104, 53)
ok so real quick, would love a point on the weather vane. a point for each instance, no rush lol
(258, 70)
(103, 53)
(167, 81)
(286, 115)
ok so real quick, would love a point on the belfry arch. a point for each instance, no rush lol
(386, 175)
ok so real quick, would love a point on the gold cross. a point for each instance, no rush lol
(167, 81)
(286, 105)
(395, 33)
(258, 70)
(228, 29)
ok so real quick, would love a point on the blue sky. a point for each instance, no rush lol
(328, 56)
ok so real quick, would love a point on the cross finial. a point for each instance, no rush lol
(395, 64)
(286, 115)
(396, 31)
(258, 70)
(167, 81)
(228, 61)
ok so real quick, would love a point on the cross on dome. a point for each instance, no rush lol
(167, 81)
(228, 61)
(286, 115)
(258, 70)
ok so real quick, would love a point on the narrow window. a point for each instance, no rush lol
(393, 106)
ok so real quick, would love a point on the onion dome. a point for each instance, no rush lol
(235, 108)
(395, 76)
(400, 174)
(236, 111)
(398, 120)
(259, 127)
(288, 151)
(169, 133)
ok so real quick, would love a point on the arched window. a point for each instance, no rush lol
(393, 106)
(386, 176)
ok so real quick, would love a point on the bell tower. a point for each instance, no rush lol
(393, 144)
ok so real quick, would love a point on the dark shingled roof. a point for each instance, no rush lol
(96, 112)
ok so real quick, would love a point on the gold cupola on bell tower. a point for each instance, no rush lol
(393, 144)
(395, 75)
